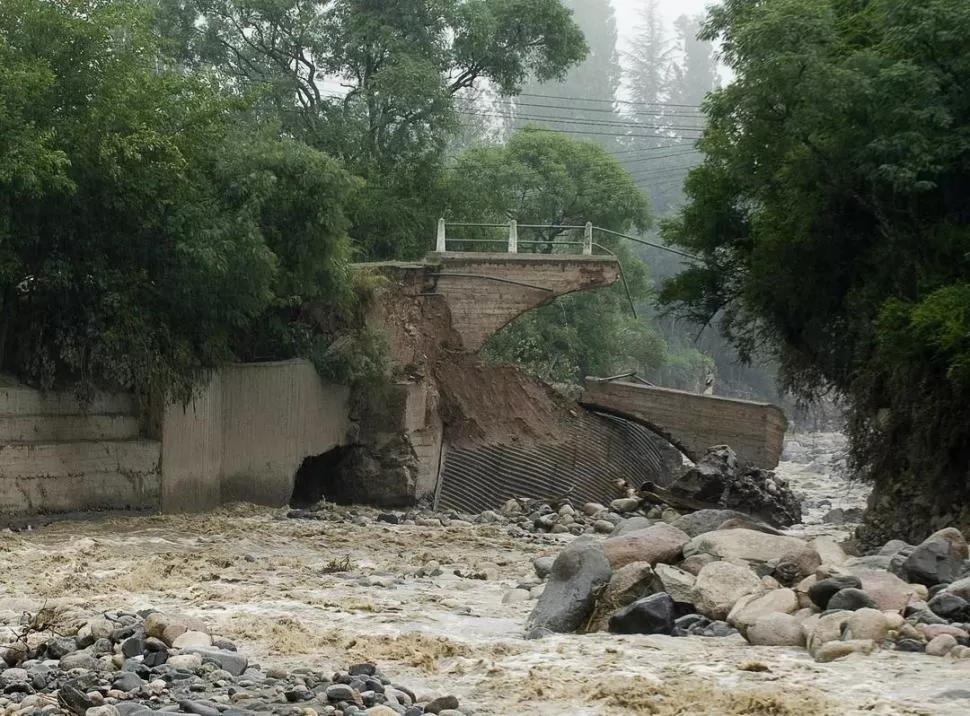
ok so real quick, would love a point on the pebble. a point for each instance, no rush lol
(193, 676)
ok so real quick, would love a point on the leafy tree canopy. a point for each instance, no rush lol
(374, 83)
(833, 213)
(546, 178)
(143, 230)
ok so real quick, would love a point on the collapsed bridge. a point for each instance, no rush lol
(463, 434)
(450, 430)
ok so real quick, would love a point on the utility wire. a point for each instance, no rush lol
(609, 101)
(603, 122)
(692, 114)
(656, 147)
(591, 132)
(573, 120)
(662, 156)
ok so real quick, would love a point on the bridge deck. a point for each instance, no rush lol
(695, 422)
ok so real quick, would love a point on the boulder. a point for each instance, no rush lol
(169, 626)
(736, 523)
(917, 613)
(231, 661)
(710, 477)
(720, 585)
(889, 591)
(867, 623)
(934, 630)
(658, 543)
(650, 615)
(958, 542)
(632, 524)
(795, 566)
(892, 547)
(628, 584)
(935, 561)
(828, 550)
(941, 645)
(950, 607)
(870, 561)
(850, 599)
(830, 651)
(695, 563)
(570, 594)
(828, 627)
(716, 479)
(749, 545)
(697, 523)
(776, 629)
(677, 583)
(625, 504)
(960, 587)
(822, 591)
(542, 566)
(749, 608)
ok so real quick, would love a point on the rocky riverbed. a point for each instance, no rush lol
(438, 607)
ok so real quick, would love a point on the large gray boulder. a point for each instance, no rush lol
(933, 562)
(697, 523)
(750, 545)
(659, 543)
(718, 480)
(569, 596)
(720, 585)
(776, 629)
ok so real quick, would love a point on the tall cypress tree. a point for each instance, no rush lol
(582, 105)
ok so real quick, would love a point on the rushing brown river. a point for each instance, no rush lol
(320, 594)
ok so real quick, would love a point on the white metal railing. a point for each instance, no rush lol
(441, 240)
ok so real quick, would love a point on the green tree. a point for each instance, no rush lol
(669, 77)
(831, 211)
(696, 73)
(143, 231)
(580, 104)
(374, 83)
(649, 61)
(542, 177)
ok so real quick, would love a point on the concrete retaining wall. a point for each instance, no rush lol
(242, 439)
(56, 457)
(246, 434)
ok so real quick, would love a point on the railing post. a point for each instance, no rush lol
(440, 244)
(588, 239)
(513, 237)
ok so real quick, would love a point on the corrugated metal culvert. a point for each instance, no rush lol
(597, 451)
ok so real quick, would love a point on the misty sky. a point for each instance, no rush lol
(628, 21)
(627, 12)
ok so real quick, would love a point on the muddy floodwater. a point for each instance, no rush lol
(308, 593)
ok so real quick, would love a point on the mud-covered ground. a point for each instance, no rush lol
(307, 593)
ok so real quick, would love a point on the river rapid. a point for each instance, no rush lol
(310, 593)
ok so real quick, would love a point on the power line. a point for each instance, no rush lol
(588, 133)
(656, 147)
(662, 156)
(692, 114)
(605, 123)
(679, 175)
(611, 101)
